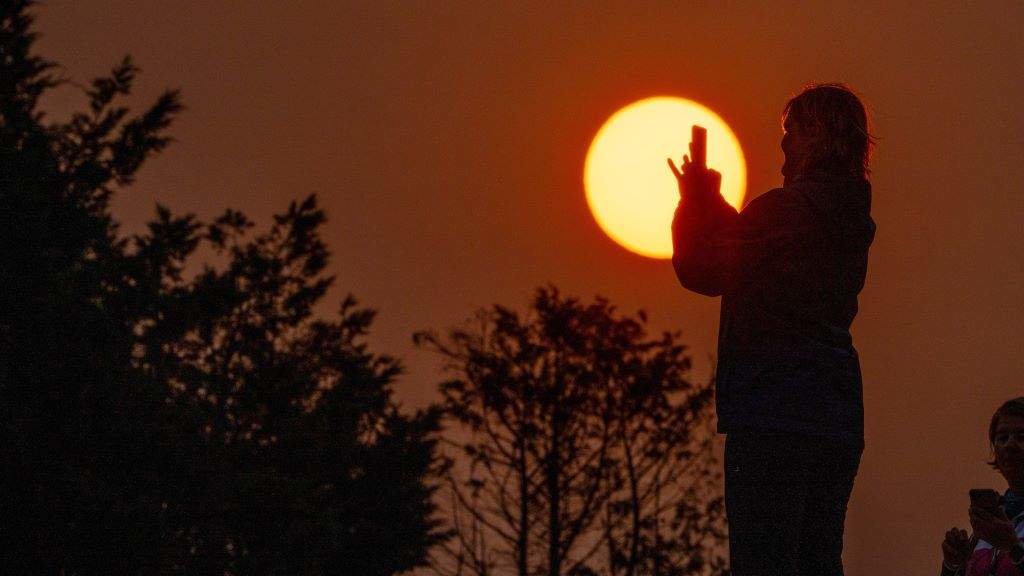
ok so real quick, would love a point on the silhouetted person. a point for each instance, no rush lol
(788, 268)
(998, 540)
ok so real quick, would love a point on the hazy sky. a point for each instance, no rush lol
(446, 141)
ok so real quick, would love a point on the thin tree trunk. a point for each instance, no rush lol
(554, 496)
(634, 493)
(524, 509)
(657, 523)
(610, 539)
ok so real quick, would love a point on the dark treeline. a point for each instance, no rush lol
(164, 415)
(584, 447)
(158, 423)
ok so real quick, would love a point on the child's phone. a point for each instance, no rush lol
(986, 498)
(699, 142)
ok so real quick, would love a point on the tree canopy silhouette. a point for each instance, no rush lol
(160, 421)
(587, 449)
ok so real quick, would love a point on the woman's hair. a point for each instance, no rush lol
(1014, 407)
(837, 122)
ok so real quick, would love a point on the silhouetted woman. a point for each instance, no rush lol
(789, 268)
(997, 546)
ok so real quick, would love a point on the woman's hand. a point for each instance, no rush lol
(957, 548)
(993, 527)
(695, 181)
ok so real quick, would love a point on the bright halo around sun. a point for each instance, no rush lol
(630, 188)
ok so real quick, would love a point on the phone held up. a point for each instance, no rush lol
(985, 498)
(699, 146)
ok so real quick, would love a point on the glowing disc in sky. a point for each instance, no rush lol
(630, 189)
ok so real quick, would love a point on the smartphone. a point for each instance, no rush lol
(986, 498)
(699, 141)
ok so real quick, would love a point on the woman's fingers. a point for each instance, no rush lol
(981, 514)
(685, 166)
(983, 527)
(975, 519)
(998, 514)
(675, 170)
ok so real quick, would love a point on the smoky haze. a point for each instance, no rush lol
(446, 142)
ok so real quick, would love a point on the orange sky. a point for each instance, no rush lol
(447, 139)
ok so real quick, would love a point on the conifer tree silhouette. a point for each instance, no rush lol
(158, 422)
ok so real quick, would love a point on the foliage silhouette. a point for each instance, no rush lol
(156, 421)
(587, 449)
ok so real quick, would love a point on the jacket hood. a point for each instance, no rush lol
(844, 202)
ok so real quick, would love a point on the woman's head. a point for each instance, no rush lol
(1006, 440)
(826, 129)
